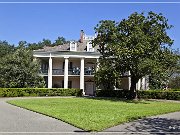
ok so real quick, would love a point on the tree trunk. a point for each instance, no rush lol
(133, 92)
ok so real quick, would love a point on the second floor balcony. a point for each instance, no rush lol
(73, 71)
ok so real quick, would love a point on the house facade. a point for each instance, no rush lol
(72, 65)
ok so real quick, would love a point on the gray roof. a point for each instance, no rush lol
(81, 47)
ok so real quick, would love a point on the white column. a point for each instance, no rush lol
(129, 80)
(66, 73)
(138, 85)
(143, 83)
(82, 76)
(50, 73)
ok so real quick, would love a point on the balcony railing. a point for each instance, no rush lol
(74, 71)
(43, 71)
(58, 71)
(88, 71)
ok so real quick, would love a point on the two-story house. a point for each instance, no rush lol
(72, 65)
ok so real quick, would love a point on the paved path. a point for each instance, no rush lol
(161, 124)
(18, 121)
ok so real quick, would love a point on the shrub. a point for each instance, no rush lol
(147, 94)
(20, 92)
(159, 94)
(112, 93)
(174, 89)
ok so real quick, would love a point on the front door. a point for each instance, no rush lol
(89, 88)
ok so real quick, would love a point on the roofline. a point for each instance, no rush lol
(72, 54)
(50, 51)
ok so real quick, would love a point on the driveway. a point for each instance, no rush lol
(161, 124)
(18, 121)
(15, 120)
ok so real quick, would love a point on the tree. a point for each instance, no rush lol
(106, 76)
(6, 48)
(174, 82)
(45, 42)
(22, 44)
(139, 44)
(19, 70)
(60, 41)
(156, 82)
(35, 46)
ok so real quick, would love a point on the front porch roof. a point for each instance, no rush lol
(69, 54)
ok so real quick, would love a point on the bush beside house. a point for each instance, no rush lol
(160, 94)
(173, 94)
(20, 92)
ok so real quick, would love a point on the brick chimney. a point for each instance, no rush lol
(81, 36)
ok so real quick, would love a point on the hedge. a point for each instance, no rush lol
(112, 93)
(164, 90)
(20, 92)
(146, 94)
(154, 94)
(174, 89)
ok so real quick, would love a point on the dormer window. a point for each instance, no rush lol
(90, 47)
(73, 46)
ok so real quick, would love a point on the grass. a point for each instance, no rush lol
(95, 114)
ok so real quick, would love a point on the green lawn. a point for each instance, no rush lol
(95, 114)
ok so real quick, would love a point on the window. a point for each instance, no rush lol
(73, 46)
(90, 47)
(44, 66)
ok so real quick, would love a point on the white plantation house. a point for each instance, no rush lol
(72, 65)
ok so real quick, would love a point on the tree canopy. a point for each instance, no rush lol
(6, 48)
(139, 44)
(46, 42)
(17, 67)
(60, 41)
(19, 70)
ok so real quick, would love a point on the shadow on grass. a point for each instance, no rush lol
(112, 99)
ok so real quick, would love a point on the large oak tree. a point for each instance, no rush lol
(139, 44)
(6, 48)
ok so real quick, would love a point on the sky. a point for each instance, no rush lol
(32, 22)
